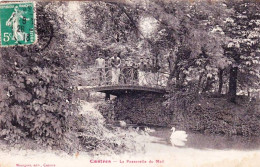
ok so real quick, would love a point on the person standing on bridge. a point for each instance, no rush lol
(141, 73)
(115, 62)
(108, 75)
(126, 71)
(100, 65)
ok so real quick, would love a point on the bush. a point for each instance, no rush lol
(208, 115)
(107, 110)
(95, 137)
(38, 85)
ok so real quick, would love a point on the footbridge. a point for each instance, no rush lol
(116, 81)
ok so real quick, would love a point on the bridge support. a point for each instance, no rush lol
(107, 96)
(144, 108)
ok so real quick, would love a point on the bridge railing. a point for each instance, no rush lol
(125, 76)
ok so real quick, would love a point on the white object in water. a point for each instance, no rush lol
(122, 123)
(178, 137)
(148, 130)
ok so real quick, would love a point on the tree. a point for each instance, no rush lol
(188, 36)
(243, 29)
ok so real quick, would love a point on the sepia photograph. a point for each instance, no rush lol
(130, 83)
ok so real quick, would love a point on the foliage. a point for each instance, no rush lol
(39, 101)
(142, 109)
(189, 46)
(188, 40)
(197, 43)
(38, 87)
(242, 28)
(215, 115)
(99, 139)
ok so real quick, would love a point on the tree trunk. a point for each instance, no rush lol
(207, 86)
(173, 65)
(178, 79)
(200, 85)
(220, 76)
(233, 84)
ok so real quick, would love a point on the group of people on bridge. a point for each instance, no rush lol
(114, 71)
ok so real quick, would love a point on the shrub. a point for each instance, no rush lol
(38, 86)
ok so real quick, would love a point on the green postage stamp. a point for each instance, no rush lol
(17, 23)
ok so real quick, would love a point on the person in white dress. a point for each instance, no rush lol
(141, 73)
(115, 62)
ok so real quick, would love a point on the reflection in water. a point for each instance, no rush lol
(201, 141)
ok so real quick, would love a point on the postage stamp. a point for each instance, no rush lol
(18, 22)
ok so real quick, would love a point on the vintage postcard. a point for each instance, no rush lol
(130, 83)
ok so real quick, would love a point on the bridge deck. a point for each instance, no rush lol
(128, 80)
(121, 89)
